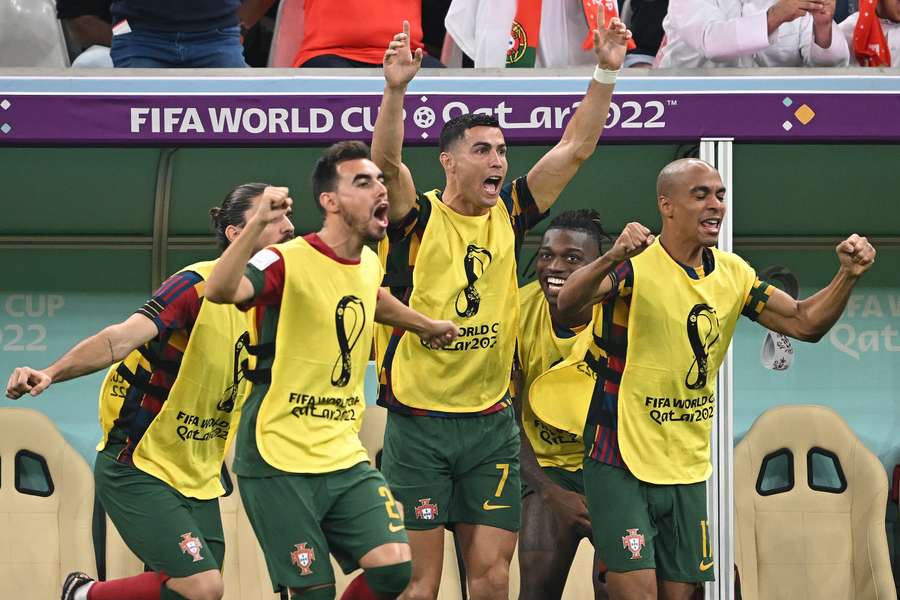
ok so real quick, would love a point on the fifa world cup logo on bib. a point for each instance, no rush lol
(349, 320)
(468, 301)
(703, 333)
(237, 375)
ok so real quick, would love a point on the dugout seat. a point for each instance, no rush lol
(30, 35)
(288, 34)
(46, 507)
(809, 510)
(371, 432)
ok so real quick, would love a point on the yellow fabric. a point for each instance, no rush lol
(540, 349)
(310, 416)
(466, 272)
(185, 444)
(679, 330)
(571, 379)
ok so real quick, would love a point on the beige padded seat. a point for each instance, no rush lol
(42, 538)
(579, 583)
(371, 433)
(800, 543)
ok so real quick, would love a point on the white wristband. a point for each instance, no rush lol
(605, 76)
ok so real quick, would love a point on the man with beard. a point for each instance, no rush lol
(167, 407)
(554, 510)
(304, 476)
(451, 448)
(669, 309)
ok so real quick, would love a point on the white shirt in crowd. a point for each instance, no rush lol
(891, 34)
(481, 28)
(734, 33)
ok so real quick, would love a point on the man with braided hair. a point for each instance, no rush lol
(669, 308)
(304, 476)
(554, 510)
(168, 406)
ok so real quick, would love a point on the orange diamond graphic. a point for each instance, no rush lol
(804, 114)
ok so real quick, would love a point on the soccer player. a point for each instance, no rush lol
(451, 448)
(166, 412)
(304, 476)
(670, 306)
(554, 509)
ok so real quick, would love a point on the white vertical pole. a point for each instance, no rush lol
(720, 498)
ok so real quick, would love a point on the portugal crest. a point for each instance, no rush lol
(426, 510)
(191, 545)
(633, 542)
(303, 557)
(518, 42)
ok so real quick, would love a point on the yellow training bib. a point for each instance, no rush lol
(539, 350)
(185, 444)
(309, 418)
(465, 271)
(679, 330)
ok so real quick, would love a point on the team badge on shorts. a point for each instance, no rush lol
(191, 545)
(303, 557)
(426, 510)
(633, 542)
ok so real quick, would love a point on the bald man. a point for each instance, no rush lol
(669, 308)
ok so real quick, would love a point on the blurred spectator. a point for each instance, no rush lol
(355, 33)
(31, 35)
(752, 33)
(433, 30)
(176, 33)
(873, 34)
(527, 33)
(646, 24)
(88, 28)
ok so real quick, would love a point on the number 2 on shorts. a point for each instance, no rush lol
(504, 473)
(390, 504)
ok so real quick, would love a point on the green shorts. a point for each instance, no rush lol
(640, 525)
(300, 518)
(455, 470)
(572, 481)
(171, 533)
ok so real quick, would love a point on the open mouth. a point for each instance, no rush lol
(554, 284)
(711, 226)
(491, 185)
(380, 214)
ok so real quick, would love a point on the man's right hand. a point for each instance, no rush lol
(785, 11)
(274, 204)
(633, 240)
(400, 63)
(570, 508)
(25, 380)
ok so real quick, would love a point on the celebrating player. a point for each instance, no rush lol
(303, 474)
(166, 411)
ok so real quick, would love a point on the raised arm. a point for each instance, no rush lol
(92, 354)
(400, 66)
(810, 319)
(590, 284)
(434, 334)
(227, 283)
(555, 169)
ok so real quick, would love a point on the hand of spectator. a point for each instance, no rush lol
(400, 63)
(785, 11)
(633, 240)
(856, 254)
(824, 15)
(611, 43)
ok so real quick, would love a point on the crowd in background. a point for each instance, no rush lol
(460, 33)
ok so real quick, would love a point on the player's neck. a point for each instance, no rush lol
(687, 252)
(452, 197)
(342, 241)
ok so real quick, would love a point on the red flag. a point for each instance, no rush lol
(869, 44)
(591, 10)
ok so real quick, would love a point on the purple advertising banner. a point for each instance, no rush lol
(529, 118)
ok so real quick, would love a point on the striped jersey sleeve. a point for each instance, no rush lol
(175, 304)
(757, 299)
